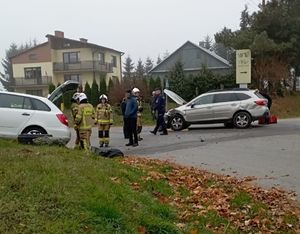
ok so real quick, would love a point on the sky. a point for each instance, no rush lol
(139, 28)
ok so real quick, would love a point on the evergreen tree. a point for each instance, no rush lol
(94, 93)
(177, 79)
(166, 54)
(158, 82)
(148, 65)
(13, 50)
(245, 19)
(128, 67)
(206, 43)
(103, 86)
(110, 85)
(88, 91)
(51, 88)
(158, 61)
(152, 84)
(140, 69)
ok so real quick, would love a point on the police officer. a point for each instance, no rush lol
(104, 119)
(160, 109)
(139, 123)
(84, 119)
(74, 111)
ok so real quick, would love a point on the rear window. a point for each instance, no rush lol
(259, 95)
(242, 96)
(225, 97)
(39, 105)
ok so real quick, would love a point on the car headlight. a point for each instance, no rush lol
(171, 112)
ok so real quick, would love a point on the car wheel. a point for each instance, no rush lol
(34, 131)
(177, 123)
(242, 120)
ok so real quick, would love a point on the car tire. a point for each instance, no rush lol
(242, 120)
(177, 123)
(34, 131)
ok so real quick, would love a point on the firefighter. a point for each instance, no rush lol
(74, 110)
(139, 123)
(104, 120)
(84, 119)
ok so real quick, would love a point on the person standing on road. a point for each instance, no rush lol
(74, 111)
(123, 108)
(84, 119)
(160, 109)
(152, 103)
(136, 92)
(104, 119)
(131, 116)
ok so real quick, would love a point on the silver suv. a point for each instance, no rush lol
(235, 107)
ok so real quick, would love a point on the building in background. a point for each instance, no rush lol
(1, 86)
(61, 59)
(193, 58)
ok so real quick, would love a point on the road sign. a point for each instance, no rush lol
(243, 66)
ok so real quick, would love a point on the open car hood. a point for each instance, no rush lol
(60, 90)
(179, 100)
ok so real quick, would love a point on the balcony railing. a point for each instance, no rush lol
(83, 66)
(26, 82)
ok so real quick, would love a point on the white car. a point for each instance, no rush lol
(23, 114)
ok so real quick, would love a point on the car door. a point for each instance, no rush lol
(200, 109)
(15, 111)
(225, 104)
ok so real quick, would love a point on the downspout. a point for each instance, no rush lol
(121, 78)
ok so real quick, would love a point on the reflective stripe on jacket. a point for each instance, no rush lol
(104, 114)
(85, 116)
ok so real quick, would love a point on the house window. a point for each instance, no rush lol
(75, 77)
(37, 92)
(71, 57)
(32, 72)
(101, 58)
(114, 61)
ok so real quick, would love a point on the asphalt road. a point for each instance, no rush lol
(271, 153)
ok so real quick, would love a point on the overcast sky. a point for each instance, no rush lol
(139, 28)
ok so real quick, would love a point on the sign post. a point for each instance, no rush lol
(243, 68)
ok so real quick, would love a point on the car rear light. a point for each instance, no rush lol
(261, 102)
(63, 119)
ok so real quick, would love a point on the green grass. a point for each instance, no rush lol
(286, 107)
(56, 190)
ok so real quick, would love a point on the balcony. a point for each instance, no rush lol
(94, 66)
(33, 82)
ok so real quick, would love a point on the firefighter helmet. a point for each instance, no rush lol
(135, 90)
(82, 97)
(103, 96)
(75, 96)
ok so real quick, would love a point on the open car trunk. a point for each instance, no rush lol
(63, 88)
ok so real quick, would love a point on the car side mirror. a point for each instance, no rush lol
(192, 105)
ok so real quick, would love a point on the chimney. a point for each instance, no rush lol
(84, 40)
(59, 34)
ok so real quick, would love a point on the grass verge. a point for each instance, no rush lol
(57, 190)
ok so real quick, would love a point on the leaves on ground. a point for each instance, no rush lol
(220, 203)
